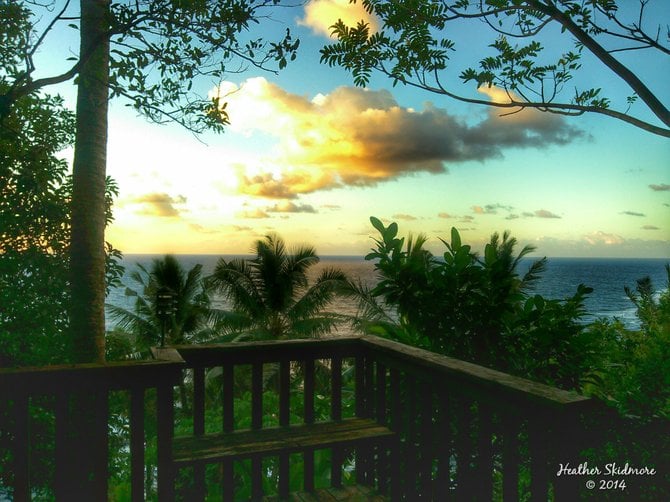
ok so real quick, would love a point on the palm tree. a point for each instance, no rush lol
(191, 319)
(270, 295)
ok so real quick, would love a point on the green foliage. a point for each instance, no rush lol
(637, 380)
(161, 49)
(414, 46)
(479, 308)
(35, 190)
(270, 294)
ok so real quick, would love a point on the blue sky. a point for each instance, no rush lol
(312, 157)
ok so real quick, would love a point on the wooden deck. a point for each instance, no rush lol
(355, 493)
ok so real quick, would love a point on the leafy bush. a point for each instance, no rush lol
(480, 309)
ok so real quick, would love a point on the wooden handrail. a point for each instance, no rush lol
(496, 382)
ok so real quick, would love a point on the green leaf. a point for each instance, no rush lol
(377, 224)
(455, 239)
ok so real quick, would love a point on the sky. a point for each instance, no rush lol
(311, 157)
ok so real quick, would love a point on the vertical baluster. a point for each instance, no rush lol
(199, 487)
(101, 444)
(538, 446)
(484, 474)
(511, 457)
(567, 441)
(284, 419)
(309, 391)
(228, 480)
(380, 415)
(425, 445)
(256, 423)
(464, 448)
(256, 477)
(257, 395)
(444, 440)
(369, 387)
(360, 386)
(308, 455)
(395, 421)
(165, 412)
(364, 408)
(62, 474)
(336, 389)
(227, 398)
(411, 449)
(21, 445)
(137, 444)
(228, 412)
(337, 456)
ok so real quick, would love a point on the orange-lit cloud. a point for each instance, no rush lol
(320, 15)
(359, 137)
(290, 207)
(158, 204)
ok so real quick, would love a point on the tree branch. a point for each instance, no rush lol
(648, 97)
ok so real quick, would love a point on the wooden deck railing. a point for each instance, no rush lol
(62, 412)
(464, 431)
(443, 429)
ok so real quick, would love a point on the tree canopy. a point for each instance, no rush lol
(537, 48)
(271, 296)
(154, 53)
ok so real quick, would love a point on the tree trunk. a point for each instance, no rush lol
(88, 420)
(87, 252)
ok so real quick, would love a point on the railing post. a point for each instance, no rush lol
(21, 445)
(538, 444)
(511, 458)
(284, 420)
(137, 444)
(165, 411)
(568, 435)
(199, 487)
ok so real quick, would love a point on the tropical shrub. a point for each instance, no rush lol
(480, 309)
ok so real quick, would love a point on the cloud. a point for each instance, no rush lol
(159, 204)
(543, 213)
(254, 214)
(290, 207)
(491, 208)
(403, 216)
(320, 15)
(359, 137)
(446, 216)
(202, 230)
(333, 207)
(664, 187)
(603, 238)
(632, 213)
(650, 227)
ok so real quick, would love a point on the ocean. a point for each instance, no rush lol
(607, 277)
